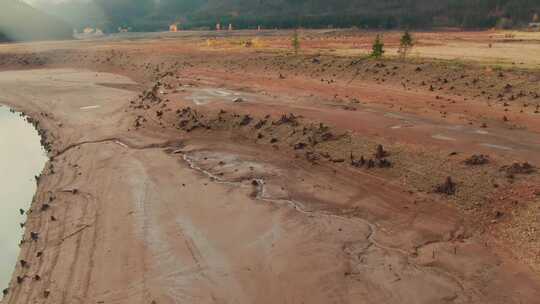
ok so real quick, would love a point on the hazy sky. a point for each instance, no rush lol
(43, 1)
(34, 2)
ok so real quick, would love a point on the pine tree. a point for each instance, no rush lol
(378, 48)
(295, 42)
(406, 43)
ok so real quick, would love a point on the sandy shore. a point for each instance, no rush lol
(143, 211)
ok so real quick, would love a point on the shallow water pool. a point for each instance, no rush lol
(21, 159)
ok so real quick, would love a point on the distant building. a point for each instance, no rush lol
(88, 32)
(534, 26)
(123, 29)
(92, 31)
(175, 27)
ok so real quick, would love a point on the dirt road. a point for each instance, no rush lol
(153, 216)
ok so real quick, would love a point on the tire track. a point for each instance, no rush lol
(48, 282)
(93, 246)
(76, 255)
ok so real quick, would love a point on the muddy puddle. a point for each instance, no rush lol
(21, 159)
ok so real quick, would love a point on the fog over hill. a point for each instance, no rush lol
(150, 15)
(20, 22)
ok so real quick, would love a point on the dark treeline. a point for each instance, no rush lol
(151, 15)
(3, 37)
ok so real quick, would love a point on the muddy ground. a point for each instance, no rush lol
(201, 169)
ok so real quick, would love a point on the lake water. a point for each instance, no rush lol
(21, 159)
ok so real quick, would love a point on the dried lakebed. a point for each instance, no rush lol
(155, 215)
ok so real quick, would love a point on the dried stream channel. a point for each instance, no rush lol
(21, 159)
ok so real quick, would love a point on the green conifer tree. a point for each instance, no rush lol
(377, 48)
(406, 43)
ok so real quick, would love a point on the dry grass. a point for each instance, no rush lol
(493, 48)
(508, 48)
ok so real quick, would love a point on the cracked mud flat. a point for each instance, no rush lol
(158, 216)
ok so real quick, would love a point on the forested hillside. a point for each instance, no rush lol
(3, 37)
(147, 15)
(21, 22)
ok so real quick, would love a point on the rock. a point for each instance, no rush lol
(327, 136)
(380, 152)
(287, 119)
(300, 146)
(238, 99)
(246, 120)
(260, 124)
(448, 187)
(477, 159)
(312, 156)
(519, 168)
(358, 163)
(384, 163)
